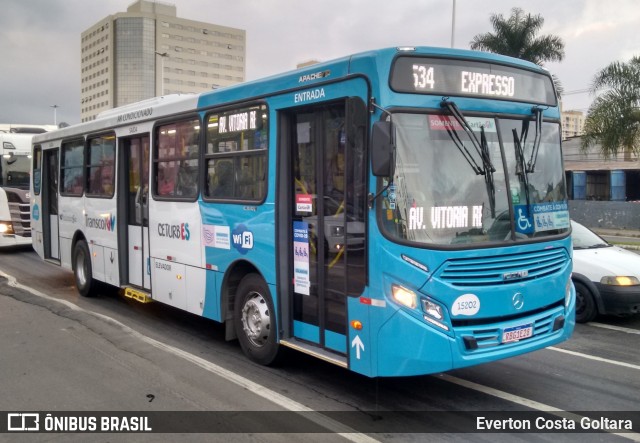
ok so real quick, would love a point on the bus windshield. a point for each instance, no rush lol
(448, 190)
(15, 172)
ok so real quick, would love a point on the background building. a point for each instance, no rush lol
(591, 176)
(149, 51)
(572, 124)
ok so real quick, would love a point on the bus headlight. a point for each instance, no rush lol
(6, 228)
(567, 294)
(404, 296)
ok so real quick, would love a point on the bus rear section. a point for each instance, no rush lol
(15, 216)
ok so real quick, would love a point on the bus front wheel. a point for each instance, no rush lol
(255, 321)
(82, 269)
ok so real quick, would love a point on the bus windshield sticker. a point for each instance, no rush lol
(544, 217)
(467, 304)
(447, 122)
(302, 283)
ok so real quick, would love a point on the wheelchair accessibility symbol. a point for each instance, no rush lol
(524, 223)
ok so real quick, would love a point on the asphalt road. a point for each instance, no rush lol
(62, 352)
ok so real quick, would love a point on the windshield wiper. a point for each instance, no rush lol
(488, 176)
(531, 166)
(484, 155)
(521, 169)
(481, 146)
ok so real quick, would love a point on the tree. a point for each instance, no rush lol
(613, 119)
(516, 36)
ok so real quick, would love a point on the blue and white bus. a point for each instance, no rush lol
(396, 212)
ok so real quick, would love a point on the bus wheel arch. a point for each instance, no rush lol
(235, 273)
(255, 321)
(247, 308)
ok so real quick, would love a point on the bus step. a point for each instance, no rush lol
(138, 295)
(316, 351)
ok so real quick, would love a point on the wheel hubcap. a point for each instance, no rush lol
(256, 320)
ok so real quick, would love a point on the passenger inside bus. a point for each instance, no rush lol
(222, 185)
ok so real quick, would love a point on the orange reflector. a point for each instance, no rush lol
(356, 324)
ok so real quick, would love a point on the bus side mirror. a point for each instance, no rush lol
(382, 149)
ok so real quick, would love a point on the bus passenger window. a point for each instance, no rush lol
(176, 159)
(102, 156)
(71, 169)
(236, 157)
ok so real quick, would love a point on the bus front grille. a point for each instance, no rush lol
(503, 269)
(21, 218)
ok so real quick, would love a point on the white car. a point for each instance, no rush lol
(606, 277)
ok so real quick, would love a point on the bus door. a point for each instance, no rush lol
(136, 186)
(50, 227)
(328, 229)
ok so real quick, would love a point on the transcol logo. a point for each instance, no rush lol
(104, 222)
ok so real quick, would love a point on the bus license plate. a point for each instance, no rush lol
(516, 333)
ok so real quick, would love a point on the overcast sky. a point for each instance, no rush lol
(40, 39)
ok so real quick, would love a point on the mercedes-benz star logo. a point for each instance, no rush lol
(518, 300)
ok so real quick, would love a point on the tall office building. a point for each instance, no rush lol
(572, 124)
(148, 51)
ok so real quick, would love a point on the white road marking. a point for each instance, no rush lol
(615, 328)
(528, 403)
(262, 391)
(594, 358)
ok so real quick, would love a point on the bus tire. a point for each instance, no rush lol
(586, 309)
(255, 321)
(82, 270)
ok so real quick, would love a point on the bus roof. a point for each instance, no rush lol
(15, 142)
(379, 59)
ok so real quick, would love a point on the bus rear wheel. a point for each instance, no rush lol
(82, 269)
(255, 321)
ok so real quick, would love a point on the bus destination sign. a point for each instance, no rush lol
(467, 78)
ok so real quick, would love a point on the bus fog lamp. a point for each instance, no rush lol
(404, 296)
(620, 280)
(432, 309)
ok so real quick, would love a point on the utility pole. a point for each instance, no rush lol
(162, 57)
(453, 24)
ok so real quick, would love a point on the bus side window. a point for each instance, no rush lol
(176, 159)
(72, 167)
(37, 169)
(236, 156)
(101, 158)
